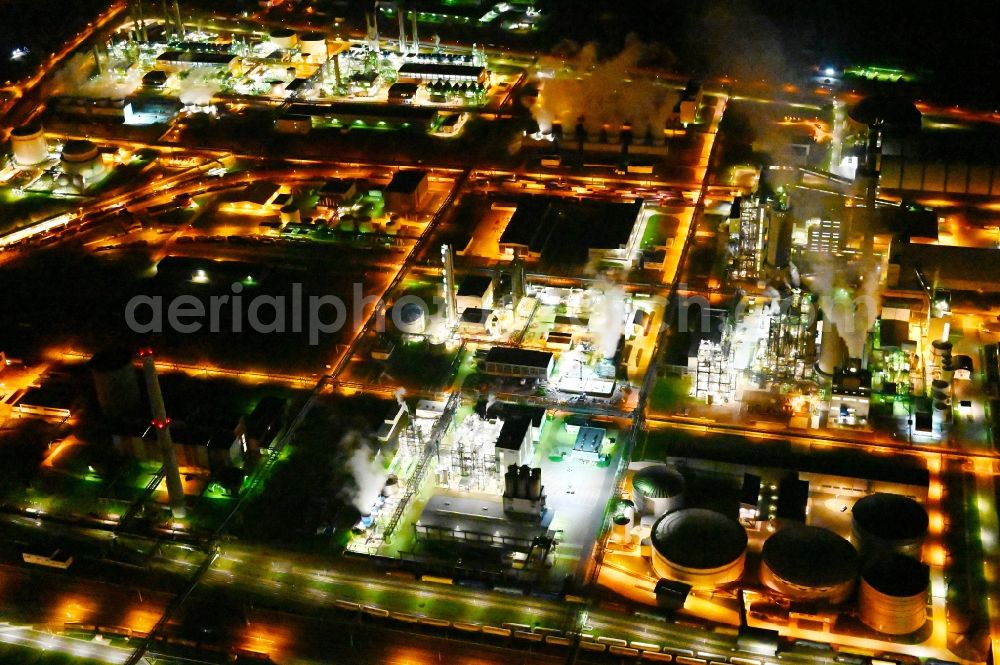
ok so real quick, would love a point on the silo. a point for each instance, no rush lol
(283, 38)
(657, 489)
(892, 597)
(940, 389)
(809, 564)
(535, 484)
(942, 350)
(699, 547)
(523, 481)
(391, 487)
(81, 157)
(510, 481)
(941, 416)
(619, 528)
(28, 144)
(313, 47)
(411, 318)
(116, 382)
(883, 523)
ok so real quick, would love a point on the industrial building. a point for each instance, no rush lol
(406, 191)
(475, 291)
(566, 231)
(699, 547)
(518, 363)
(337, 192)
(456, 73)
(179, 61)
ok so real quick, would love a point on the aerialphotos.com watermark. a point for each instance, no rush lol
(319, 315)
(265, 313)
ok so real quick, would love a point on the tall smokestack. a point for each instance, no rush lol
(450, 296)
(97, 60)
(336, 68)
(413, 29)
(371, 23)
(402, 28)
(180, 23)
(143, 35)
(175, 490)
(517, 280)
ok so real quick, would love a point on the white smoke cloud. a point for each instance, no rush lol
(849, 297)
(198, 88)
(603, 92)
(367, 470)
(607, 321)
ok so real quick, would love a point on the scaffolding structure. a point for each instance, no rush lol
(715, 378)
(748, 243)
(472, 455)
(790, 351)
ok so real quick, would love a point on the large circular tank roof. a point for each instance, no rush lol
(658, 482)
(78, 150)
(897, 575)
(894, 111)
(810, 556)
(29, 129)
(282, 33)
(312, 37)
(411, 312)
(891, 516)
(699, 538)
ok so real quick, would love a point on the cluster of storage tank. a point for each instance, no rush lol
(801, 564)
(696, 546)
(814, 565)
(522, 482)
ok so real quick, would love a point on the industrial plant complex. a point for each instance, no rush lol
(404, 332)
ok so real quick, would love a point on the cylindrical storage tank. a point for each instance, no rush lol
(283, 38)
(940, 389)
(883, 523)
(657, 489)
(390, 228)
(523, 481)
(947, 370)
(619, 528)
(289, 215)
(510, 481)
(347, 225)
(699, 547)
(391, 487)
(809, 564)
(313, 47)
(115, 382)
(941, 415)
(942, 349)
(365, 226)
(80, 157)
(627, 510)
(411, 318)
(892, 597)
(535, 486)
(28, 144)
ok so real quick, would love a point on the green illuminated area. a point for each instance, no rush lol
(881, 74)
